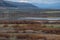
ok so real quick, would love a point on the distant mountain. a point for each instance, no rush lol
(17, 10)
(22, 10)
(5, 4)
(17, 5)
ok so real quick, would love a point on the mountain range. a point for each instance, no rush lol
(14, 10)
(23, 10)
(20, 5)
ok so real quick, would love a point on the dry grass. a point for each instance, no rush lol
(30, 26)
(32, 36)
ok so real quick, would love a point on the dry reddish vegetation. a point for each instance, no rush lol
(29, 22)
(31, 25)
(35, 27)
(32, 36)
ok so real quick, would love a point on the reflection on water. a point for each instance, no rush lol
(29, 18)
(35, 18)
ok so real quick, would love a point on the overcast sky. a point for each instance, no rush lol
(39, 1)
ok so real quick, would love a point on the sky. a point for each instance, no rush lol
(39, 1)
(42, 3)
